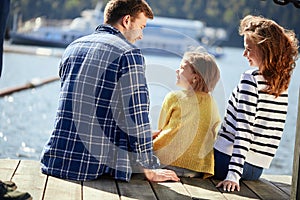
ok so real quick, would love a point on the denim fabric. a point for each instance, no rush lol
(250, 172)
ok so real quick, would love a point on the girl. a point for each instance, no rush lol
(189, 119)
(256, 112)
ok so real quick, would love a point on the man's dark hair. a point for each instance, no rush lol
(116, 9)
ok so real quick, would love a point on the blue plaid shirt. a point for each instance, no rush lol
(102, 123)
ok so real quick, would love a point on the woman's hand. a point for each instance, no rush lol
(229, 186)
(155, 134)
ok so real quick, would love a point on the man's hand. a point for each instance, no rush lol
(160, 175)
(229, 186)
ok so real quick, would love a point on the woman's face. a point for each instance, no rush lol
(252, 53)
(185, 75)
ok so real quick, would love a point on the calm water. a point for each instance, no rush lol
(26, 118)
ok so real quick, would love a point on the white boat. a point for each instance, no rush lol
(162, 35)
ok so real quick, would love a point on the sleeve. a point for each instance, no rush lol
(216, 118)
(168, 122)
(243, 104)
(135, 100)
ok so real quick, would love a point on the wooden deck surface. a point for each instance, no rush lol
(27, 176)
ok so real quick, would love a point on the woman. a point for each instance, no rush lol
(256, 112)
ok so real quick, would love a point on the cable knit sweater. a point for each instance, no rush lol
(189, 124)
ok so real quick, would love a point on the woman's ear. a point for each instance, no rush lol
(126, 21)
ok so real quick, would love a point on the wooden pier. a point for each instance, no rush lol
(27, 176)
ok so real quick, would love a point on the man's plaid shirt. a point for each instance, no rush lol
(102, 122)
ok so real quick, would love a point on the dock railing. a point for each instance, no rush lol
(296, 173)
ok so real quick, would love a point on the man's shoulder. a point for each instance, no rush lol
(102, 46)
(105, 38)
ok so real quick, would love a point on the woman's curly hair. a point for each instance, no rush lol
(279, 49)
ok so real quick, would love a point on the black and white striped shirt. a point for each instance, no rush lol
(253, 124)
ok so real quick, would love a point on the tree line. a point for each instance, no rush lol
(215, 13)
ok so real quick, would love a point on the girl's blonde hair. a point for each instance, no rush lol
(278, 47)
(204, 65)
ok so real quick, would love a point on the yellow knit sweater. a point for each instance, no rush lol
(189, 125)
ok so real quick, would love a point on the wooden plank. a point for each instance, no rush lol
(137, 188)
(266, 190)
(201, 188)
(295, 193)
(284, 179)
(29, 178)
(170, 190)
(8, 168)
(62, 189)
(244, 193)
(103, 188)
(283, 182)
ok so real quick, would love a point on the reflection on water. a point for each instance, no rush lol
(27, 117)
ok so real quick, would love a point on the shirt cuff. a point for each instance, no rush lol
(231, 176)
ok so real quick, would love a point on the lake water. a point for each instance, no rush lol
(27, 117)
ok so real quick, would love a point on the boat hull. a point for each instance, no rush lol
(18, 38)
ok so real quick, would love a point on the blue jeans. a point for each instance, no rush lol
(250, 172)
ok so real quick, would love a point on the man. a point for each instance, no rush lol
(102, 123)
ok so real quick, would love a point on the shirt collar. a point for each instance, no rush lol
(109, 29)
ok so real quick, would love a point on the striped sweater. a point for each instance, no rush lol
(253, 125)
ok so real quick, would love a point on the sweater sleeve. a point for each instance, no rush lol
(169, 122)
(243, 104)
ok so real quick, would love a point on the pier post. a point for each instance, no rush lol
(295, 192)
(32, 84)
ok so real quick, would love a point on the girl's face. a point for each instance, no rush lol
(252, 53)
(185, 75)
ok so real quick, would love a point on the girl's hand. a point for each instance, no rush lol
(229, 186)
(155, 134)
